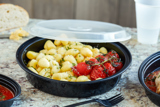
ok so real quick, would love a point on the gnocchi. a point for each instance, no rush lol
(57, 58)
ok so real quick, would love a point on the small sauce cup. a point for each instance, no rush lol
(13, 86)
(151, 64)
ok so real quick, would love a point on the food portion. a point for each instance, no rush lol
(73, 61)
(12, 16)
(18, 34)
(153, 81)
(5, 93)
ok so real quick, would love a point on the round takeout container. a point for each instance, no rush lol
(150, 64)
(11, 85)
(72, 89)
(94, 33)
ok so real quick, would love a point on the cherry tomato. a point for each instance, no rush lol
(118, 65)
(109, 69)
(82, 69)
(114, 59)
(100, 58)
(92, 61)
(113, 53)
(97, 72)
(74, 69)
(107, 56)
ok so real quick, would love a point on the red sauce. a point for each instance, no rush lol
(150, 81)
(5, 93)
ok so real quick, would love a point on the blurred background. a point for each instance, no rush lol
(120, 12)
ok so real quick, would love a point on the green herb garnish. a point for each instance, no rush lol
(72, 77)
(2, 97)
(63, 59)
(73, 64)
(25, 62)
(153, 79)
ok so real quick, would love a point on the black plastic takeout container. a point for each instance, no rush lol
(72, 89)
(13, 86)
(151, 64)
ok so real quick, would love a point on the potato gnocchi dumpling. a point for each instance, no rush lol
(59, 76)
(86, 52)
(33, 70)
(57, 42)
(82, 79)
(57, 58)
(44, 71)
(49, 45)
(95, 52)
(66, 66)
(61, 51)
(79, 58)
(39, 56)
(64, 42)
(33, 63)
(51, 52)
(31, 55)
(72, 52)
(71, 59)
(43, 62)
(89, 47)
(44, 51)
(103, 50)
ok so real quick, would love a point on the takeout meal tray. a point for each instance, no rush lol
(72, 89)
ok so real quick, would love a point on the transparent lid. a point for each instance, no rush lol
(79, 30)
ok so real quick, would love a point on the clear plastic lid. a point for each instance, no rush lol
(79, 30)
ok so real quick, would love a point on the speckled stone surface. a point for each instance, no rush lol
(129, 85)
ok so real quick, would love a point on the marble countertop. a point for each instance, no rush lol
(129, 84)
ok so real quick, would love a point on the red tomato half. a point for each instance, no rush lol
(113, 53)
(100, 58)
(97, 72)
(74, 69)
(118, 66)
(93, 61)
(109, 69)
(82, 69)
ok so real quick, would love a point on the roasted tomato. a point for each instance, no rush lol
(74, 69)
(97, 72)
(113, 53)
(92, 61)
(110, 70)
(100, 58)
(82, 69)
(107, 56)
(118, 65)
